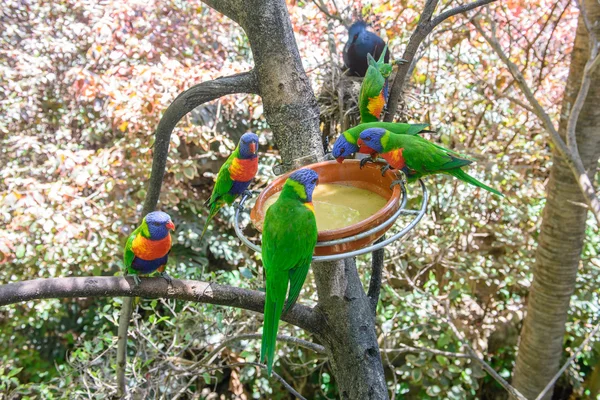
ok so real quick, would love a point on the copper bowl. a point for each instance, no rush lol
(348, 173)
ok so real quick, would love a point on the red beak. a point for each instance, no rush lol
(340, 159)
(171, 225)
(253, 148)
(360, 142)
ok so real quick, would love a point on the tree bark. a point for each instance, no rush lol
(349, 332)
(562, 233)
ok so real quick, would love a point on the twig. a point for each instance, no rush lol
(321, 6)
(566, 364)
(424, 28)
(572, 159)
(124, 318)
(283, 338)
(377, 259)
(412, 349)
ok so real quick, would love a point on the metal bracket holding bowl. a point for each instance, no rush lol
(418, 215)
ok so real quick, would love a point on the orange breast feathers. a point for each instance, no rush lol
(376, 105)
(147, 249)
(395, 158)
(243, 170)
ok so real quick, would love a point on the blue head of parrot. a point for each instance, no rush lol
(342, 148)
(355, 30)
(248, 145)
(307, 178)
(159, 224)
(372, 138)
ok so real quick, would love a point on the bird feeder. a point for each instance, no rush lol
(358, 238)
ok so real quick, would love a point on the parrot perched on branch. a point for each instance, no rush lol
(234, 176)
(360, 43)
(288, 242)
(148, 247)
(416, 157)
(373, 94)
(346, 144)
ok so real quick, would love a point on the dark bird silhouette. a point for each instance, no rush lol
(360, 43)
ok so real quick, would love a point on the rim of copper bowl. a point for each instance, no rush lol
(329, 234)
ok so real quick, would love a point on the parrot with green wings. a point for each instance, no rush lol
(235, 176)
(373, 94)
(346, 144)
(147, 248)
(288, 242)
(417, 157)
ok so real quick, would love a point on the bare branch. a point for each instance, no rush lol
(282, 338)
(424, 28)
(412, 349)
(321, 6)
(572, 158)
(567, 363)
(124, 318)
(112, 286)
(459, 10)
(377, 259)
(183, 104)
(230, 8)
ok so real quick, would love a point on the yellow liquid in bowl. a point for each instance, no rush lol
(338, 206)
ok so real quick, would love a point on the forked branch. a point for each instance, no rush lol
(424, 27)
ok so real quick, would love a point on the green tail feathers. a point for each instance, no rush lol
(269, 334)
(214, 209)
(463, 176)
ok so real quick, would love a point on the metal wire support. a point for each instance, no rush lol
(418, 215)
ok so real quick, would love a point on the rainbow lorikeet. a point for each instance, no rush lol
(373, 94)
(417, 157)
(235, 175)
(148, 247)
(346, 144)
(360, 43)
(288, 242)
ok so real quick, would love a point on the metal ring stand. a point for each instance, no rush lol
(401, 211)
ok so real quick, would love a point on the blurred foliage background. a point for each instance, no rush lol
(82, 87)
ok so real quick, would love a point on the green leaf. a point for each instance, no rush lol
(416, 375)
(246, 273)
(13, 372)
(20, 252)
(442, 360)
(433, 390)
(206, 377)
(189, 172)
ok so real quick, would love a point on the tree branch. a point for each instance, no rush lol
(424, 28)
(569, 153)
(317, 348)
(230, 8)
(183, 104)
(188, 290)
(376, 273)
(458, 10)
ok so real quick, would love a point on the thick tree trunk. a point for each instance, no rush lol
(561, 235)
(349, 333)
(293, 114)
